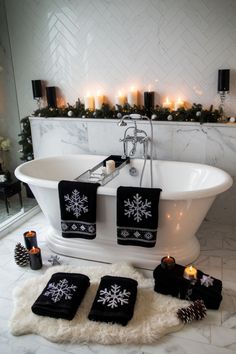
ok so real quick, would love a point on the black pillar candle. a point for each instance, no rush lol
(223, 80)
(149, 100)
(35, 258)
(37, 88)
(51, 96)
(30, 239)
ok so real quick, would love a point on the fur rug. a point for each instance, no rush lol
(154, 315)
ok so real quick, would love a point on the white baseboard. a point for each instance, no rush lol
(17, 219)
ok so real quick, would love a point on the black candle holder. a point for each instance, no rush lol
(35, 258)
(223, 80)
(37, 91)
(149, 100)
(223, 88)
(168, 262)
(51, 96)
(30, 239)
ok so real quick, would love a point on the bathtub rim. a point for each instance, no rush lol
(104, 190)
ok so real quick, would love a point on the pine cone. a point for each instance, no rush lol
(21, 255)
(195, 311)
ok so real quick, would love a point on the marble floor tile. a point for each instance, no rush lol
(215, 334)
(210, 265)
(223, 337)
(229, 243)
(176, 345)
(228, 268)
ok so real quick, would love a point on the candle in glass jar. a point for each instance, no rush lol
(30, 239)
(120, 99)
(190, 273)
(167, 262)
(99, 100)
(89, 102)
(35, 258)
(179, 104)
(167, 103)
(133, 97)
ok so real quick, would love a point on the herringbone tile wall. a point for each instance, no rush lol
(176, 46)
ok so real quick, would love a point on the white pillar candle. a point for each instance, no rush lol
(179, 104)
(99, 100)
(133, 97)
(120, 99)
(110, 166)
(167, 103)
(89, 102)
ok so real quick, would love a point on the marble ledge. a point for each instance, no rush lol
(112, 120)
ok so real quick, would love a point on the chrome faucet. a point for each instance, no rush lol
(138, 136)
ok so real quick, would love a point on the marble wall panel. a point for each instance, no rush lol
(211, 144)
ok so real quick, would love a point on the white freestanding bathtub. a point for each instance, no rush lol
(188, 191)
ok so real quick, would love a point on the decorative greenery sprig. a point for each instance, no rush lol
(194, 114)
(26, 140)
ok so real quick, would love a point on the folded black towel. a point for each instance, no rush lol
(137, 216)
(62, 295)
(78, 209)
(172, 282)
(115, 300)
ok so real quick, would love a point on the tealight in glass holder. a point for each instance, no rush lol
(35, 258)
(168, 262)
(30, 239)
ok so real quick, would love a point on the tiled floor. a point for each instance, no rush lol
(215, 334)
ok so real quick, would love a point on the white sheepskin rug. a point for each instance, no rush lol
(154, 314)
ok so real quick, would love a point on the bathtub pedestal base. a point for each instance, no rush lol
(97, 250)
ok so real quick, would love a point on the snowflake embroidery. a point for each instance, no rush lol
(114, 297)
(137, 208)
(124, 233)
(77, 204)
(206, 281)
(56, 291)
(82, 227)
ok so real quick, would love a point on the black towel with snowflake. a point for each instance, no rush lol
(172, 282)
(137, 216)
(115, 300)
(62, 295)
(78, 209)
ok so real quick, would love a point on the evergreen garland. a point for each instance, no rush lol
(194, 114)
